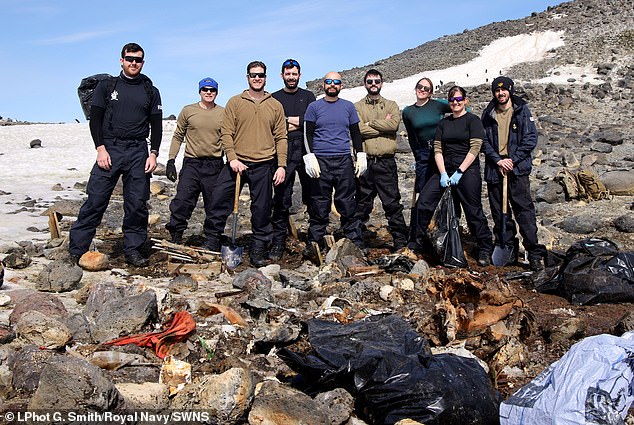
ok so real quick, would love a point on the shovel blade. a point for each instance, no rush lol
(231, 255)
(502, 255)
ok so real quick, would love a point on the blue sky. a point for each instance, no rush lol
(49, 46)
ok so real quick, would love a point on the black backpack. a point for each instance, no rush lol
(86, 90)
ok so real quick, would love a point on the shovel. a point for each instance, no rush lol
(503, 254)
(232, 255)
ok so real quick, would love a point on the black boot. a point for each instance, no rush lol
(256, 256)
(136, 259)
(276, 252)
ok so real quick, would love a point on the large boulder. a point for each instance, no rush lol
(619, 182)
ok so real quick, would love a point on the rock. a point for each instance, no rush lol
(610, 137)
(72, 384)
(150, 396)
(17, 259)
(1, 274)
(421, 268)
(570, 160)
(35, 328)
(572, 328)
(35, 143)
(125, 316)
(157, 187)
(27, 365)
(625, 324)
(153, 219)
(5, 300)
(94, 261)
(276, 333)
(182, 284)
(343, 248)
(229, 395)
(625, 223)
(278, 404)
(79, 328)
(59, 276)
(551, 193)
(96, 298)
(294, 279)
(27, 300)
(581, 224)
(601, 147)
(338, 405)
(619, 182)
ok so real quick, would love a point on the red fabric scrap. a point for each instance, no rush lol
(178, 329)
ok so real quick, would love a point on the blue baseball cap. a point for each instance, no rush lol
(207, 82)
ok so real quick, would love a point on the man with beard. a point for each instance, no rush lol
(295, 101)
(511, 136)
(123, 111)
(198, 125)
(330, 124)
(379, 123)
(253, 137)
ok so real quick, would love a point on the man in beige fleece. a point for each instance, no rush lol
(253, 137)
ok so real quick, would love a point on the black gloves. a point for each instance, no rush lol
(170, 170)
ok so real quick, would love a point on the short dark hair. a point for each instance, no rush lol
(132, 48)
(372, 72)
(454, 89)
(291, 63)
(255, 64)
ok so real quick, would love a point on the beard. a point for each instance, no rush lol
(374, 90)
(333, 91)
(291, 84)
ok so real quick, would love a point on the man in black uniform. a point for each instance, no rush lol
(295, 101)
(123, 110)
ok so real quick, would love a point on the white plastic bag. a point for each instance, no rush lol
(593, 383)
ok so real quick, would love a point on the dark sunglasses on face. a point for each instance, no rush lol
(257, 75)
(456, 99)
(423, 88)
(131, 59)
(331, 81)
(209, 89)
(290, 62)
(376, 81)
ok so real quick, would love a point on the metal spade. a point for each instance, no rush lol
(503, 253)
(232, 255)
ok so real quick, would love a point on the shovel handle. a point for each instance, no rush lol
(236, 197)
(504, 193)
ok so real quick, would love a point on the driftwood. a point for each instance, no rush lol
(53, 224)
(183, 259)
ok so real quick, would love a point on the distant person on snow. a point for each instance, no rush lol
(199, 126)
(380, 118)
(295, 100)
(123, 111)
(511, 136)
(330, 124)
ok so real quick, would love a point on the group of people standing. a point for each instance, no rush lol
(332, 144)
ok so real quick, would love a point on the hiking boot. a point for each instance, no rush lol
(276, 252)
(176, 237)
(74, 258)
(399, 244)
(484, 259)
(256, 256)
(535, 264)
(211, 244)
(136, 259)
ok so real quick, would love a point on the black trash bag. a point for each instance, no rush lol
(444, 233)
(87, 88)
(593, 271)
(391, 372)
(394, 263)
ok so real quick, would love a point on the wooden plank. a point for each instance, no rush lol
(53, 224)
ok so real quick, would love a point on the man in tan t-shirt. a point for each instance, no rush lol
(198, 125)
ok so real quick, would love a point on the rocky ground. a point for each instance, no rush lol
(54, 317)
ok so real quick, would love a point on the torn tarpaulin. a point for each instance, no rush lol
(178, 329)
(391, 372)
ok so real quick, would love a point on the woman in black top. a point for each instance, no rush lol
(456, 146)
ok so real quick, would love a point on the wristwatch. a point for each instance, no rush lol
(155, 152)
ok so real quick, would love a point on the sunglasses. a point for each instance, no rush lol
(289, 63)
(456, 99)
(257, 75)
(331, 81)
(370, 81)
(208, 89)
(423, 88)
(131, 59)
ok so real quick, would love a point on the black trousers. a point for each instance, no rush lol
(425, 168)
(523, 210)
(259, 177)
(197, 176)
(283, 193)
(468, 195)
(337, 173)
(381, 178)
(128, 159)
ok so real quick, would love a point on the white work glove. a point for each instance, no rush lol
(311, 165)
(361, 165)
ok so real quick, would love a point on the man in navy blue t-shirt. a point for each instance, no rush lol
(330, 124)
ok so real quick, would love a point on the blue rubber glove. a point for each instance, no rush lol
(444, 180)
(455, 178)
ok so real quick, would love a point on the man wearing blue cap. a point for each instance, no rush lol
(199, 126)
